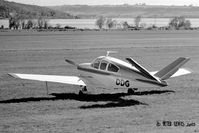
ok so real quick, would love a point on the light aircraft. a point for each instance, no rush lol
(109, 73)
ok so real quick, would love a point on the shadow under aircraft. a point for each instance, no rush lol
(113, 100)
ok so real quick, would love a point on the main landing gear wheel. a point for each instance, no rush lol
(81, 93)
(130, 91)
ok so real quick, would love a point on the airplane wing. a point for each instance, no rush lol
(73, 80)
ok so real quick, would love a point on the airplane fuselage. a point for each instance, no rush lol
(101, 76)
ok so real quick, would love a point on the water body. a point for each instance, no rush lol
(90, 23)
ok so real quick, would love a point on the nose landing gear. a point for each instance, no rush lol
(132, 90)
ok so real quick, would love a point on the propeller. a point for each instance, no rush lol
(71, 62)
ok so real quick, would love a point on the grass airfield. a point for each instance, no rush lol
(25, 106)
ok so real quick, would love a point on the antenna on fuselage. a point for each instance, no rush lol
(109, 52)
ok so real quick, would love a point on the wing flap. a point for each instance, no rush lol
(73, 80)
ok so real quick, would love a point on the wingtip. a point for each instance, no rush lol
(185, 58)
(188, 70)
(13, 75)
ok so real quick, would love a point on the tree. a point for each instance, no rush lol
(29, 24)
(12, 23)
(110, 23)
(179, 23)
(40, 23)
(187, 24)
(14, 20)
(125, 25)
(181, 20)
(23, 24)
(45, 24)
(100, 22)
(58, 26)
(143, 25)
(174, 23)
(137, 21)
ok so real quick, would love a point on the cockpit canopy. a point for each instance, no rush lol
(103, 64)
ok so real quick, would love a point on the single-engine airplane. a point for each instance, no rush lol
(109, 73)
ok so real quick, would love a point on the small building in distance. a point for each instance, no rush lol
(4, 23)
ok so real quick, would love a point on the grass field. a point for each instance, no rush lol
(25, 106)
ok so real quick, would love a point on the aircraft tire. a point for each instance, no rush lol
(130, 91)
(81, 93)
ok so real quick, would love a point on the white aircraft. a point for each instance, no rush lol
(109, 73)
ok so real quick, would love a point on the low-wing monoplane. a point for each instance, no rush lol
(109, 73)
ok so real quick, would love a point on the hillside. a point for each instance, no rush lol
(85, 11)
(30, 11)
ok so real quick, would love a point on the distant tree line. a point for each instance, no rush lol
(39, 24)
(16, 23)
(110, 23)
(175, 23)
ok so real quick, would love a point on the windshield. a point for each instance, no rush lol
(96, 64)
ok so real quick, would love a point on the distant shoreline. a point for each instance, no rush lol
(82, 30)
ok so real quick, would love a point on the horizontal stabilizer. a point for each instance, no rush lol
(50, 78)
(172, 69)
(181, 71)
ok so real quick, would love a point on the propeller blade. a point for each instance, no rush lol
(71, 62)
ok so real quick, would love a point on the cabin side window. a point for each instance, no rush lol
(103, 65)
(113, 68)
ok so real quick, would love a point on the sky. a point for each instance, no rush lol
(107, 2)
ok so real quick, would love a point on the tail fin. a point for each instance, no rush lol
(172, 68)
(141, 69)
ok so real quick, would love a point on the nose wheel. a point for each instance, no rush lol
(131, 90)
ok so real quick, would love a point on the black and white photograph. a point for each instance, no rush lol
(99, 66)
